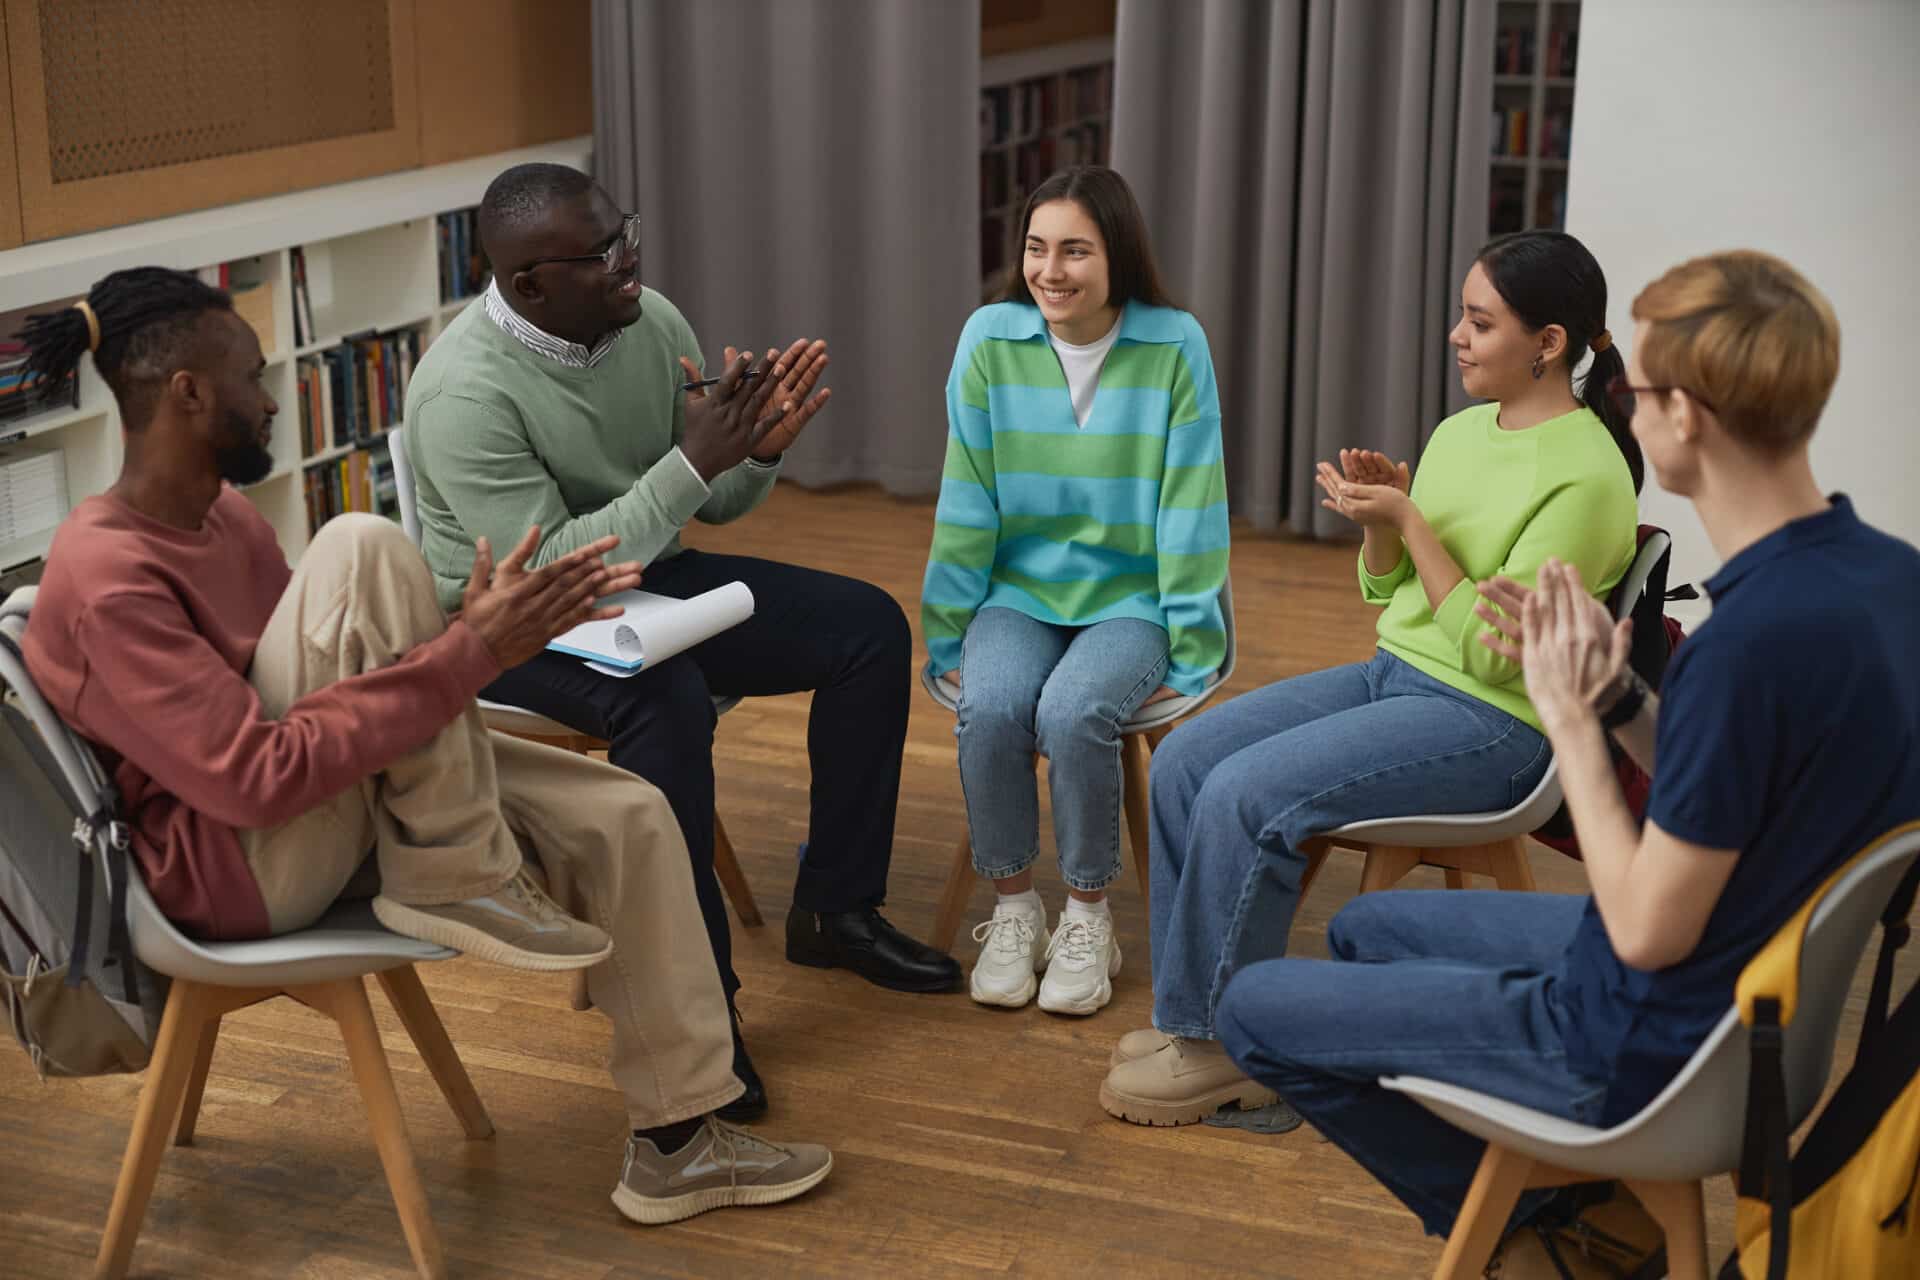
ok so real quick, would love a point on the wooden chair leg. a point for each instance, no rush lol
(1678, 1208)
(953, 898)
(1508, 862)
(347, 1002)
(190, 1006)
(196, 1085)
(727, 867)
(1456, 878)
(422, 1021)
(1496, 1188)
(1136, 760)
(1317, 850)
(1386, 866)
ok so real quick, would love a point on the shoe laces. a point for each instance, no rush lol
(731, 1140)
(523, 889)
(1077, 940)
(1010, 933)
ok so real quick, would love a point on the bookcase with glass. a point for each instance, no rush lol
(1536, 49)
(1040, 110)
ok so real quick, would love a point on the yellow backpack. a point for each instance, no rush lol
(1847, 1204)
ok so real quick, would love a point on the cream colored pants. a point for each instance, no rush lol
(449, 821)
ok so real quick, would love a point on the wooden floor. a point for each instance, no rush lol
(967, 1140)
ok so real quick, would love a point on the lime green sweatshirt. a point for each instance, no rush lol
(1503, 502)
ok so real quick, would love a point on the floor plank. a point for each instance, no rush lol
(969, 1142)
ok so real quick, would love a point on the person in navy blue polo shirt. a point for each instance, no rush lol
(1783, 741)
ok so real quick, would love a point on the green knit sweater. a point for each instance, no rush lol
(502, 437)
(1502, 502)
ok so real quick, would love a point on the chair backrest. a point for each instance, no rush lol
(1703, 1109)
(403, 482)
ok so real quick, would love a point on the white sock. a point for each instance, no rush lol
(1088, 910)
(1028, 902)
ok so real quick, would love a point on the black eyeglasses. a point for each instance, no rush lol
(624, 245)
(1623, 392)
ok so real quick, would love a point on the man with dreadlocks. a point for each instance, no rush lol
(268, 727)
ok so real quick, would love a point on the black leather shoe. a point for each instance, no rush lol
(752, 1104)
(864, 942)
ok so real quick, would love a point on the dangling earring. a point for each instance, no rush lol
(1539, 368)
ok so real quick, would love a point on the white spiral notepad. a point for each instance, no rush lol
(653, 628)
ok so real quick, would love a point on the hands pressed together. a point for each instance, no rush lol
(1369, 488)
(1572, 648)
(761, 417)
(517, 610)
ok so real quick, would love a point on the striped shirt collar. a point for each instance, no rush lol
(534, 338)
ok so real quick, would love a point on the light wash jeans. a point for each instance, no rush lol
(1030, 686)
(1236, 791)
(1452, 986)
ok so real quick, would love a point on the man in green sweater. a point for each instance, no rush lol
(556, 401)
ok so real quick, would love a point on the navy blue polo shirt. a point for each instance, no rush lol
(1787, 731)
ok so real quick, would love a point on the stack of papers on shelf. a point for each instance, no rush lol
(653, 628)
(33, 491)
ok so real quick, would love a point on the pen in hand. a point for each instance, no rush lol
(708, 382)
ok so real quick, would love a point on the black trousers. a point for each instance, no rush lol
(842, 638)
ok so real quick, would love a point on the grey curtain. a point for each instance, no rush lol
(1314, 173)
(808, 168)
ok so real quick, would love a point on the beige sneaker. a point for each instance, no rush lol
(1138, 1044)
(723, 1165)
(516, 925)
(1183, 1082)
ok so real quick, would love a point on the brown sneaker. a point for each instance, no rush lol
(516, 925)
(723, 1165)
(1138, 1044)
(1182, 1082)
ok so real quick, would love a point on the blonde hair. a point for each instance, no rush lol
(1748, 336)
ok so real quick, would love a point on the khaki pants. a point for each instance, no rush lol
(449, 820)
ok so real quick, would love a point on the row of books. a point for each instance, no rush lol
(33, 491)
(360, 481)
(464, 270)
(1514, 49)
(356, 390)
(1510, 136)
(1507, 208)
(18, 400)
(1014, 112)
(302, 302)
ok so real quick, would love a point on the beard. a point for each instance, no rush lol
(238, 453)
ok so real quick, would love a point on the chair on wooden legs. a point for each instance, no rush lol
(538, 728)
(1139, 736)
(323, 967)
(1463, 844)
(1693, 1130)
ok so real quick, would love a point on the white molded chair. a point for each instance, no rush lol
(322, 966)
(1693, 1129)
(1139, 736)
(522, 723)
(1489, 844)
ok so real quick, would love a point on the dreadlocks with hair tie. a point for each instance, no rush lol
(171, 348)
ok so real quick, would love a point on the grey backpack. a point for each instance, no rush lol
(76, 998)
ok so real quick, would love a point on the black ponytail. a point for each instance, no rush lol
(143, 323)
(1548, 277)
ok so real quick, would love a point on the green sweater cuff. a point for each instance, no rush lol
(676, 486)
(1379, 588)
(1455, 614)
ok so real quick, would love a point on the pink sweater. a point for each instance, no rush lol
(141, 637)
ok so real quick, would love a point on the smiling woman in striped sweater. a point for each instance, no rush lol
(1078, 555)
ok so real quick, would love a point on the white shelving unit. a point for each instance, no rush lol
(372, 260)
(1528, 188)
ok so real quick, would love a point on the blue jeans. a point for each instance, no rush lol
(1236, 791)
(1448, 985)
(1030, 686)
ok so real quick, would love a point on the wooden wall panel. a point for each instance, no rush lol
(500, 74)
(125, 112)
(1007, 26)
(9, 165)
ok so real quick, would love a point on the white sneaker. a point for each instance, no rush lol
(1011, 952)
(1082, 960)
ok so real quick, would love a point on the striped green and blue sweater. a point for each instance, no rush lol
(1123, 518)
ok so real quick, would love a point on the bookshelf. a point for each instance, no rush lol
(1535, 54)
(371, 258)
(1041, 109)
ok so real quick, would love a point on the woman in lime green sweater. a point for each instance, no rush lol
(1436, 721)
